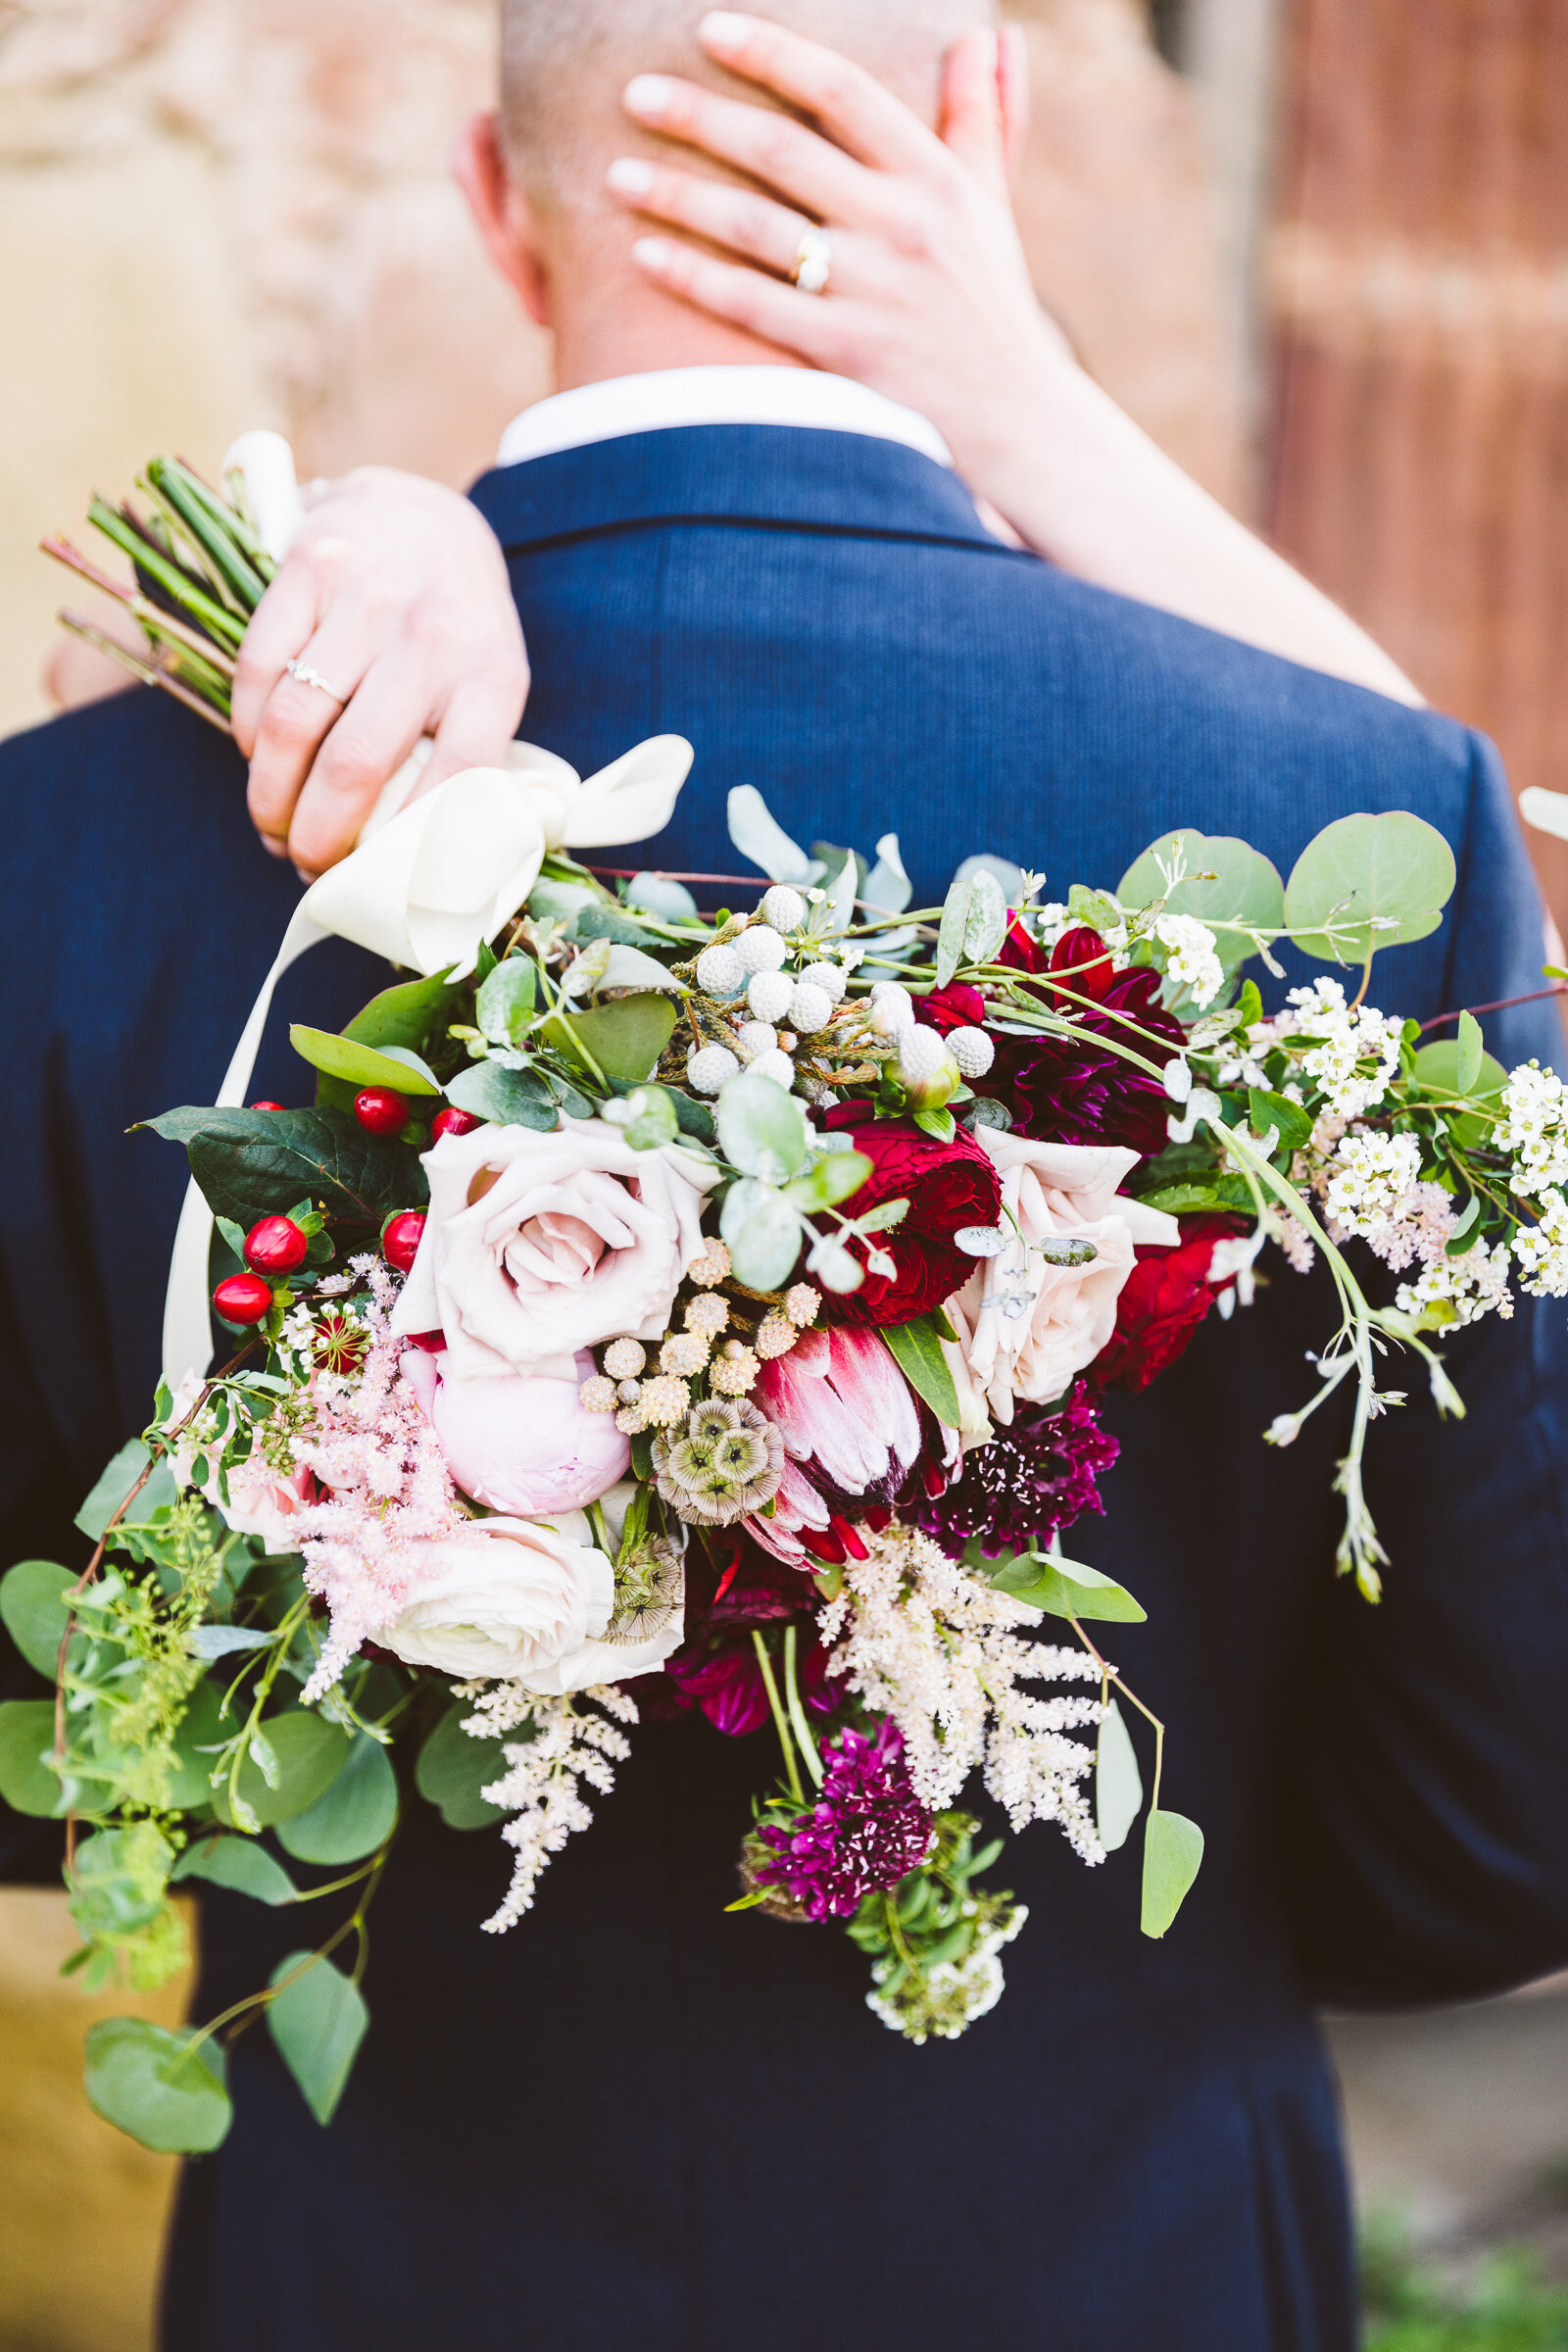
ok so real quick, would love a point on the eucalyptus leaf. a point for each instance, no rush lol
(357, 1065)
(916, 1348)
(510, 1098)
(150, 2083)
(1368, 882)
(760, 838)
(761, 1231)
(887, 886)
(1437, 1072)
(352, 1817)
(951, 932)
(657, 895)
(113, 1483)
(454, 1766)
(317, 2023)
(985, 925)
(1470, 1052)
(35, 1611)
(218, 1641)
(631, 968)
(1118, 1784)
(1226, 880)
(28, 1783)
(1173, 1849)
(624, 1039)
(832, 1180)
(761, 1130)
(310, 1752)
(1067, 1588)
(241, 1865)
(504, 1006)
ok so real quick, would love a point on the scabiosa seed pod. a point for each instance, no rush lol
(625, 1358)
(782, 908)
(598, 1394)
(760, 950)
(972, 1050)
(768, 994)
(777, 1066)
(727, 1460)
(720, 970)
(708, 1315)
(811, 1008)
(755, 1037)
(710, 1069)
(830, 978)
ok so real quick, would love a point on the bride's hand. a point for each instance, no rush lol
(395, 592)
(928, 297)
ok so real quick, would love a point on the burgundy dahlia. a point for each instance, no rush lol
(1032, 1481)
(1076, 1090)
(868, 1829)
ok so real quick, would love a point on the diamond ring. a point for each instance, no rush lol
(813, 259)
(307, 676)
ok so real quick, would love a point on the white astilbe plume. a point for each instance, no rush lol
(542, 1785)
(922, 1640)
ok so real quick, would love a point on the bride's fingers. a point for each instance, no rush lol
(851, 104)
(971, 109)
(368, 743)
(804, 323)
(295, 721)
(1013, 86)
(754, 225)
(280, 627)
(769, 147)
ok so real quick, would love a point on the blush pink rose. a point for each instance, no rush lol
(539, 1246)
(502, 1598)
(520, 1444)
(1026, 1324)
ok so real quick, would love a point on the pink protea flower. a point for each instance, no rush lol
(852, 1436)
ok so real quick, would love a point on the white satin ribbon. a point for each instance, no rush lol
(429, 883)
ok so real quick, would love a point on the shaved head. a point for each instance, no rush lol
(564, 64)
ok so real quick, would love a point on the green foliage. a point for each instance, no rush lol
(35, 1610)
(355, 1814)
(974, 924)
(357, 1065)
(504, 1007)
(1439, 1071)
(317, 2019)
(410, 1015)
(115, 1481)
(453, 1767)
(1368, 882)
(288, 1762)
(623, 1039)
(761, 1129)
(921, 1933)
(119, 1904)
(835, 1175)
(1225, 881)
(916, 1348)
(510, 1098)
(1173, 1851)
(240, 1864)
(761, 1231)
(1412, 2305)
(1118, 1783)
(1066, 1588)
(28, 1783)
(258, 1163)
(1292, 1124)
(154, 2085)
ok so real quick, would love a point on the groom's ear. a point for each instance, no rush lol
(506, 218)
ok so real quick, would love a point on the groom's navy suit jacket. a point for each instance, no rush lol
(636, 2121)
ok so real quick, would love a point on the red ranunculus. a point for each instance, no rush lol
(948, 1186)
(1077, 1090)
(956, 1007)
(1162, 1302)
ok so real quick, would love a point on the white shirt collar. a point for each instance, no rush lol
(668, 397)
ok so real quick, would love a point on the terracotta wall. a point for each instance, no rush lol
(1418, 299)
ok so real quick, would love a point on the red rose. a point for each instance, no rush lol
(1162, 1302)
(956, 1007)
(947, 1185)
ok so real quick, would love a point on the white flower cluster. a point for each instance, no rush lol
(1471, 1286)
(1542, 1251)
(1369, 1178)
(1192, 960)
(542, 1787)
(958, 1991)
(1344, 1037)
(1533, 1127)
(922, 1640)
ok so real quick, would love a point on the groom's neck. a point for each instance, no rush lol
(616, 323)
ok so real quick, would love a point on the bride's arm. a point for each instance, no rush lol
(930, 301)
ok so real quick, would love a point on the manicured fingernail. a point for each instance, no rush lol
(652, 252)
(647, 94)
(629, 175)
(720, 29)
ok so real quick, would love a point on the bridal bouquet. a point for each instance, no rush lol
(657, 1314)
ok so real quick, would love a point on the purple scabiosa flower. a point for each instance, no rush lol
(1030, 1481)
(868, 1829)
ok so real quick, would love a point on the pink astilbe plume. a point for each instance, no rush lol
(387, 1488)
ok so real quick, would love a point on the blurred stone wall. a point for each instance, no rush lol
(216, 214)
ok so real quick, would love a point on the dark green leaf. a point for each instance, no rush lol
(36, 1613)
(1463, 1237)
(1266, 1111)
(693, 1119)
(151, 2083)
(1182, 1199)
(916, 1350)
(512, 1098)
(406, 1015)
(240, 1864)
(199, 1728)
(453, 1767)
(353, 1816)
(317, 2023)
(27, 1783)
(1067, 1588)
(1360, 871)
(256, 1163)
(356, 1065)
(1118, 1784)
(1173, 1848)
(311, 1753)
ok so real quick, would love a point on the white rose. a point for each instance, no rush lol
(1025, 1326)
(504, 1597)
(539, 1246)
(598, 1661)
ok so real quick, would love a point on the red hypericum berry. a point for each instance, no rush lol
(243, 1299)
(275, 1246)
(381, 1109)
(453, 1121)
(266, 1107)
(400, 1242)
